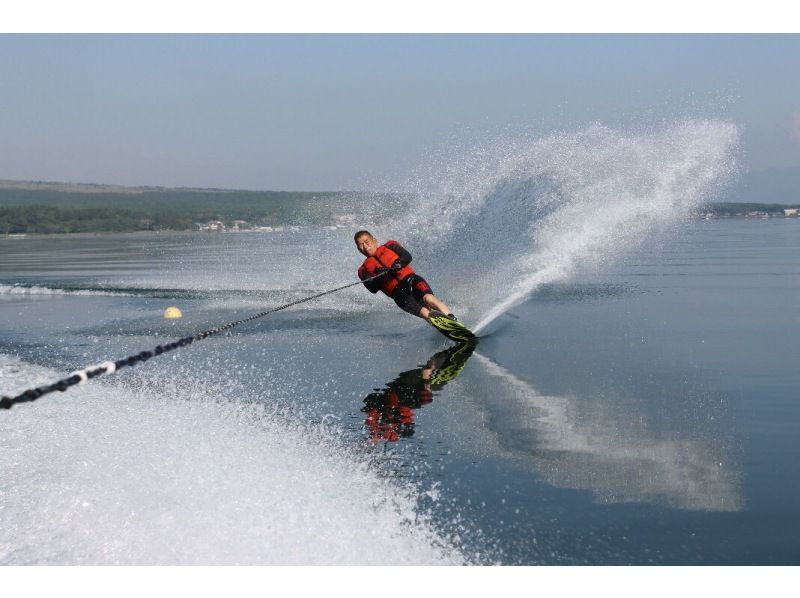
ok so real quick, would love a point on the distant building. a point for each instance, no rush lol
(212, 225)
(790, 211)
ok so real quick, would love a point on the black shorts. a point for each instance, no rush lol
(409, 293)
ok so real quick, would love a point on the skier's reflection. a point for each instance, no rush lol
(390, 411)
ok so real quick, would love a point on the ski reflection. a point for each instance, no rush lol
(390, 411)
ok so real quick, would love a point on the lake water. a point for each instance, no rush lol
(642, 412)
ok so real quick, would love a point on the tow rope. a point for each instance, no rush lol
(109, 367)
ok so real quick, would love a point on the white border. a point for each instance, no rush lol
(597, 582)
(423, 16)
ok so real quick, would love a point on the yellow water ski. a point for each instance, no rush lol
(452, 329)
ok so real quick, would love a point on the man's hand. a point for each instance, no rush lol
(396, 266)
(381, 271)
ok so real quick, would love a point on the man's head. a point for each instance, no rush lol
(366, 243)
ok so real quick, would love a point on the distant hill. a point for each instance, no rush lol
(88, 187)
(219, 203)
(34, 206)
(775, 186)
(56, 207)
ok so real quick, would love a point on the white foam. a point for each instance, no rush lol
(105, 475)
(7, 289)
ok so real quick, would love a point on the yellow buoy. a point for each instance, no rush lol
(172, 312)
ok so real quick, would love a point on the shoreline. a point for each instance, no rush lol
(283, 229)
(297, 228)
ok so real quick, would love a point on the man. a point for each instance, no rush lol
(397, 279)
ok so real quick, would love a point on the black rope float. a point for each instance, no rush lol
(109, 367)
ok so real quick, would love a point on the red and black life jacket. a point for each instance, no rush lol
(384, 257)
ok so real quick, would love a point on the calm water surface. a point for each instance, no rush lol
(645, 414)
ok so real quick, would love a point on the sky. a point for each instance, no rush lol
(353, 111)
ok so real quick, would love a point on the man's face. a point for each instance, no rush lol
(367, 245)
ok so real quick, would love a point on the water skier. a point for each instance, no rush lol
(409, 290)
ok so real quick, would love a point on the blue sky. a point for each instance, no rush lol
(311, 112)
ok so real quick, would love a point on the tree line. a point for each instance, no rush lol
(56, 211)
(731, 209)
(51, 219)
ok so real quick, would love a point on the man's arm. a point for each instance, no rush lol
(405, 256)
(373, 286)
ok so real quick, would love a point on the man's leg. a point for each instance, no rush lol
(406, 301)
(432, 301)
(423, 296)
